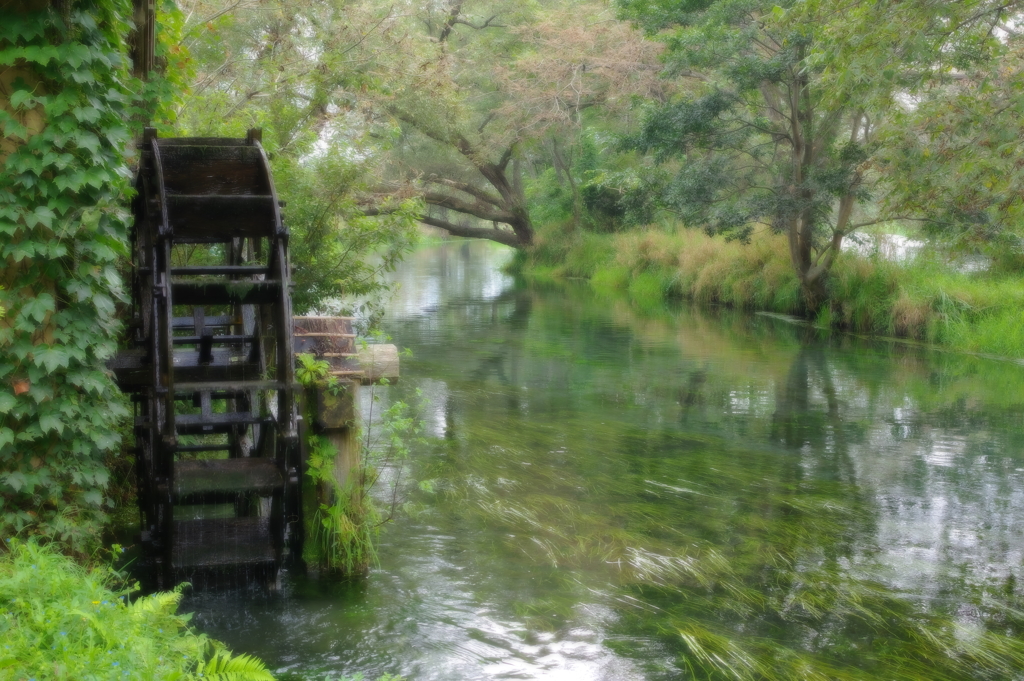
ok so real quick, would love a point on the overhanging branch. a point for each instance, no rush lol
(502, 236)
(472, 190)
(477, 209)
(486, 24)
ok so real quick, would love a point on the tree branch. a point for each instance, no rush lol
(449, 23)
(486, 24)
(502, 236)
(487, 120)
(477, 209)
(505, 158)
(367, 34)
(473, 191)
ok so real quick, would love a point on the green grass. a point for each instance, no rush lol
(925, 299)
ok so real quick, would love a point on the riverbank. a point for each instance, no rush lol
(921, 298)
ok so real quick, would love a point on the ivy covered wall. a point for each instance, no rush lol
(65, 102)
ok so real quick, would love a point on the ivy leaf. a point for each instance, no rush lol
(87, 140)
(87, 114)
(39, 54)
(38, 307)
(52, 358)
(76, 55)
(6, 437)
(50, 422)
(96, 177)
(13, 128)
(16, 480)
(21, 97)
(19, 251)
(25, 28)
(73, 181)
(40, 216)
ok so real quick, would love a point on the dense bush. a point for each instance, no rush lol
(62, 621)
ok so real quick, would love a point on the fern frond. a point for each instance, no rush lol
(223, 666)
(164, 603)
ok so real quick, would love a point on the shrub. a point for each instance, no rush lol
(63, 621)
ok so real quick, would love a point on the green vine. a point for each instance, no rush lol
(66, 100)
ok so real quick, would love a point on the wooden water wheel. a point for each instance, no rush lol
(210, 366)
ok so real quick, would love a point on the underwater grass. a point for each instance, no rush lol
(742, 568)
(754, 551)
(772, 598)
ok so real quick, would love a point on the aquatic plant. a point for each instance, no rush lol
(748, 549)
(787, 590)
(343, 519)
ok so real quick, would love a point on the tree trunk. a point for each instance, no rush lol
(564, 166)
(814, 291)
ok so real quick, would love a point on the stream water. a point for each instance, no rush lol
(612, 493)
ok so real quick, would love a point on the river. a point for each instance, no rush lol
(604, 492)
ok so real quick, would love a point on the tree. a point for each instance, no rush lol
(482, 88)
(446, 103)
(451, 154)
(780, 121)
(578, 62)
(950, 152)
(756, 139)
(298, 70)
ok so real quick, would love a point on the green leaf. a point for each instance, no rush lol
(18, 251)
(33, 53)
(52, 358)
(87, 114)
(21, 97)
(49, 422)
(38, 307)
(42, 215)
(16, 480)
(13, 128)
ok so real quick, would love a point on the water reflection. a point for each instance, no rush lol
(614, 494)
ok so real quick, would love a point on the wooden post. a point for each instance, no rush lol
(332, 339)
(142, 41)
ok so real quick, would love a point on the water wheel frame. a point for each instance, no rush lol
(204, 383)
